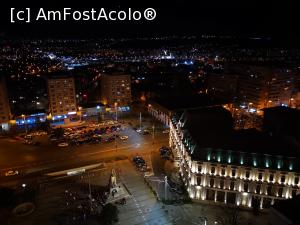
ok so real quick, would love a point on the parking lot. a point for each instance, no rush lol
(92, 133)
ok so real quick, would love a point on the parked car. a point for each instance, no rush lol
(165, 152)
(138, 130)
(109, 139)
(28, 142)
(148, 174)
(11, 173)
(139, 161)
(63, 144)
(145, 132)
(124, 137)
(166, 131)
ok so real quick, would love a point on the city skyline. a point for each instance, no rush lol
(153, 113)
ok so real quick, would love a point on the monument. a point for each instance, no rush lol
(117, 189)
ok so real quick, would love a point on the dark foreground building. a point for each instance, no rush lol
(282, 121)
(285, 212)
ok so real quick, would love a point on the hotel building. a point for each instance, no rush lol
(116, 88)
(263, 87)
(4, 106)
(62, 99)
(219, 164)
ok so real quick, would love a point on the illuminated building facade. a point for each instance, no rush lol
(62, 99)
(116, 88)
(234, 167)
(4, 106)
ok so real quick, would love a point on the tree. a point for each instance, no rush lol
(109, 214)
(7, 200)
(6, 197)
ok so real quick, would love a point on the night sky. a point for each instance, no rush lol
(181, 17)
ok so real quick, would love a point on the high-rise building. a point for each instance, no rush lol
(262, 87)
(222, 85)
(62, 99)
(4, 106)
(116, 88)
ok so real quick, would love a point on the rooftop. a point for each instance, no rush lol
(281, 110)
(62, 74)
(182, 102)
(211, 127)
(92, 104)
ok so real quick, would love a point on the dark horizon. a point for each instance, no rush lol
(250, 18)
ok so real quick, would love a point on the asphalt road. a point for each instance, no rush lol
(33, 161)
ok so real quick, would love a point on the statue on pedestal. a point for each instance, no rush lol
(113, 179)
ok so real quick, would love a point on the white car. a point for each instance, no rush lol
(148, 174)
(139, 130)
(124, 137)
(64, 144)
(11, 173)
(166, 131)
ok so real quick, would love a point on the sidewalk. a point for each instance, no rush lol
(142, 208)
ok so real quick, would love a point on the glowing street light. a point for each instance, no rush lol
(116, 108)
(24, 121)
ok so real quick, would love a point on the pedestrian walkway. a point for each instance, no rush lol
(142, 207)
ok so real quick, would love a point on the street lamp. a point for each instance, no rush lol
(269, 103)
(153, 130)
(166, 187)
(24, 121)
(116, 108)
(291, 102)
(140, 121)
(90, 191)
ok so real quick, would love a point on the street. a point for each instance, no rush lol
(142, 207)
(33, 161)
